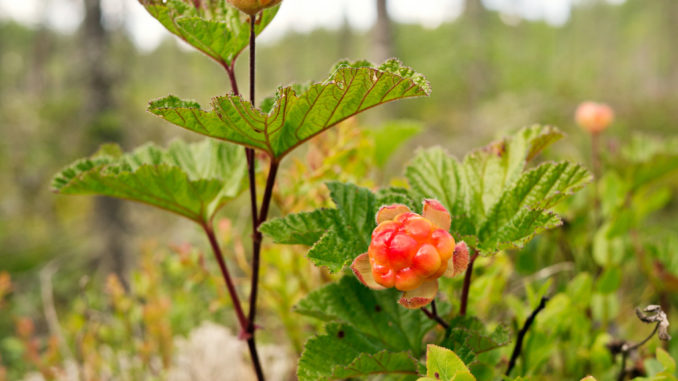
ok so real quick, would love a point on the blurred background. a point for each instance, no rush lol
(75, 74)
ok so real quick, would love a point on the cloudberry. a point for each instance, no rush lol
(252, 7)
(594, 117)
(410, 252)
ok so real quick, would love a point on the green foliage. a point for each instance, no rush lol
(468, 338)
(368, 332)
(390, 137)
(217, 29)
(336, 235)
(444, 364)
(662, 368)
(495, 202)
(295, 118)
(192, 180)
(490, 217)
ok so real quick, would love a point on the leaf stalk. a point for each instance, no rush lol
(467, 283)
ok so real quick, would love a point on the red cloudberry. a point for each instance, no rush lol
(594, 117)
(410, 252)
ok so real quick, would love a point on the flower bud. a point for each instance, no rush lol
(252, 7)
(594, 117)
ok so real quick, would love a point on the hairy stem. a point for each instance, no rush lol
(521, 334)
(467, 283)
(433, 315)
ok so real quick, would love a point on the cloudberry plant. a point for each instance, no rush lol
(410, 252)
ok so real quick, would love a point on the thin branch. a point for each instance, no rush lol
(467, 283)
(237, 305)
(521, 334)
(268, 191)
(433, 315)
(256, 217)
(650, 314)
(256, 242)
(230, 70)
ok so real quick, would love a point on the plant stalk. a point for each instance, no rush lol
(626, 349)
(257, 217)
(433, 315)
(521, 334)
(597, 173)
(237, 305)
(467, 283)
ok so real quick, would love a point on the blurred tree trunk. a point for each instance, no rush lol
(474, 9)
(383, 34)
(103, 126)
(479, 39)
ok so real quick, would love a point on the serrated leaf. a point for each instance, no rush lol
(296, 117)
(495, 204)
(337, 235)
(368, 333)
(216, 29)
(344, 352)
(192, 180)
(394, 195)
(467, 337)
(304, 228)
(443, 364)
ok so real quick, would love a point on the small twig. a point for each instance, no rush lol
(433, 315)
(521, 334)
(467, 283)
(650, 314)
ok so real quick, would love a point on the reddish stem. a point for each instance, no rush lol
(227, 276)
(433, 315)
(467, 283)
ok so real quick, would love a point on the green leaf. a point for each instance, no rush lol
(369, 333)
(216, 29)
(390, 137)
(343, 353)
(468, 338)
(296, 117)
(494, 202)
(395, 195)
(337, 235)
(444, 364)
(192, 180)
(609, 280)
(666, 360)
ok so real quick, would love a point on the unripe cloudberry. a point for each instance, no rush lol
(594, 117)
(252, 7)
(410, 252)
